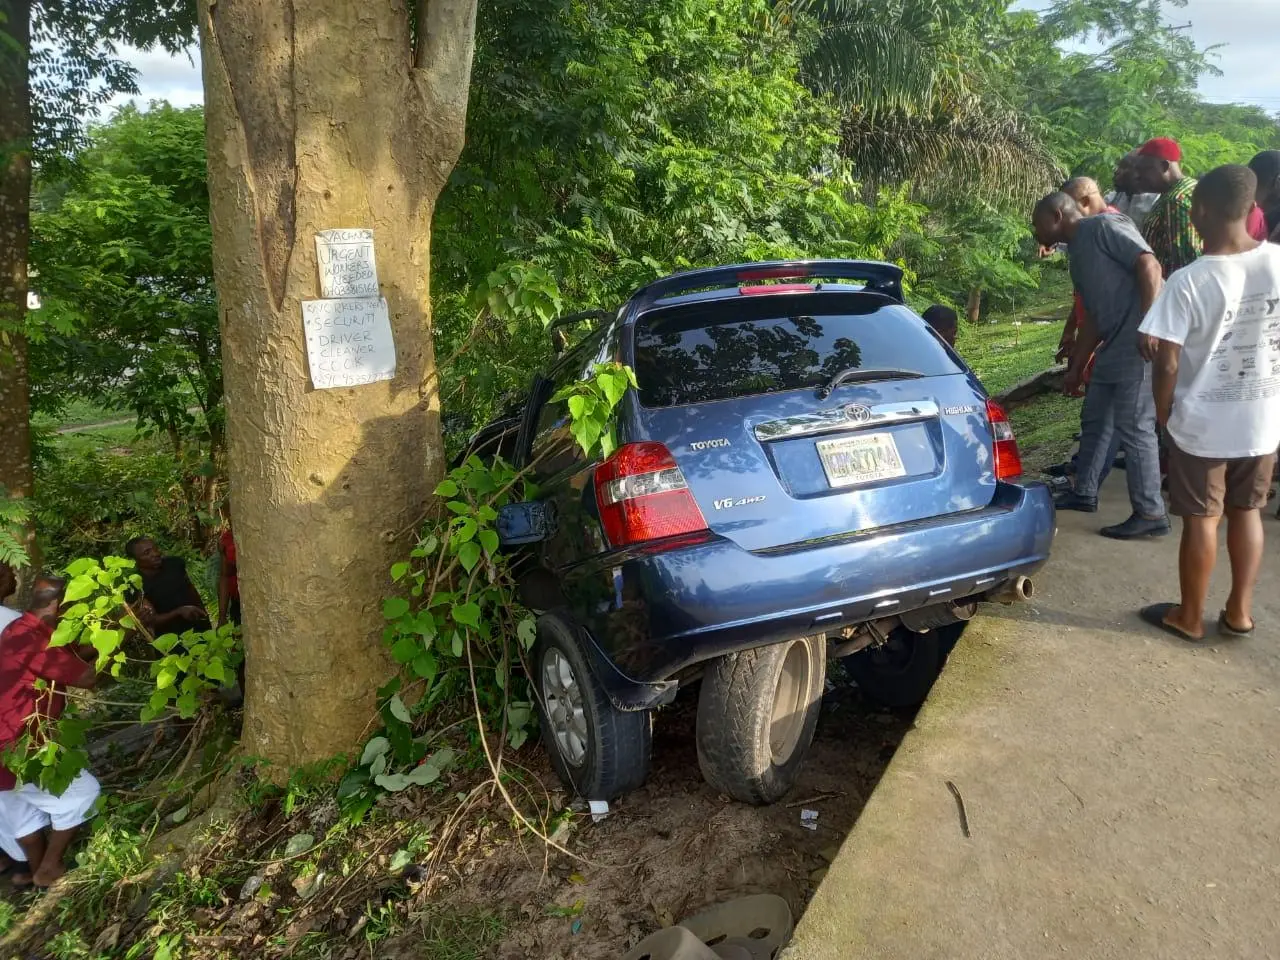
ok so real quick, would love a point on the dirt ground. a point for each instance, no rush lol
(676, 846)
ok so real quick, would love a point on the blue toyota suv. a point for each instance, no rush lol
(804, 470)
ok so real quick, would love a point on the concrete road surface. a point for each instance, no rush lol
(1121, 787)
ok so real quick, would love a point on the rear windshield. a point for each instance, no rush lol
(697, 353)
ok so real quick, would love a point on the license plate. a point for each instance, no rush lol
(850, 461)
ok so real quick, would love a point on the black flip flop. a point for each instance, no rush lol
(1155, 615)
(1227, 630)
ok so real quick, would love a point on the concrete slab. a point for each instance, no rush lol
(1121, 788)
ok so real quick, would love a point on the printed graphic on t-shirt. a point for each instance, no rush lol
(1246, 364)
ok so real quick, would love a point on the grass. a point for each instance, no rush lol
(78, 413)
(1046, 428)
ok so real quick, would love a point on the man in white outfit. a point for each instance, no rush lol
(36, 825)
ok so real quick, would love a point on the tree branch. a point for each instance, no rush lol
(446, 42)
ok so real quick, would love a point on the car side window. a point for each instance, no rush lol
(551, 430)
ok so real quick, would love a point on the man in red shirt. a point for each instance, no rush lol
(35, 825)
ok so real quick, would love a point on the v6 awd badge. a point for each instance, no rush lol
(731, 502)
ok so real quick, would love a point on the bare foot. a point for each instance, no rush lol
(48, 874)
(1193, 629)
(20, 880)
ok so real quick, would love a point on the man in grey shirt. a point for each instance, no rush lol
(1118, 278)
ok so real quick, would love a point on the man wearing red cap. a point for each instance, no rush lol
(1168, 228)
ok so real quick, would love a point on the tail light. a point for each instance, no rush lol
(1008, 460)
(642, 495)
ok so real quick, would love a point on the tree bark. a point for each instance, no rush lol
(973, 309)
(15, 237)
(322, 114)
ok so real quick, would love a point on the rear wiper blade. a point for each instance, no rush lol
(859, 375)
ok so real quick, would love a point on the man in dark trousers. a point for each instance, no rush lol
(1118, 278)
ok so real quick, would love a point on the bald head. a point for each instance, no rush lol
(1087, 195)
(46, 597)
(1055, 219)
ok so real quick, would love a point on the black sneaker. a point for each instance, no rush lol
(1137, 528)
(1073, 501)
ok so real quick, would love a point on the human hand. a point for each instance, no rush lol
(1072, 382)
(193, 613)
(1064, 351)
(1148, 346)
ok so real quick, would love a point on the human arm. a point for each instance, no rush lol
(224, 586)
(1067, 342)
(1165, 378)
(63, 665)
(1150, 282)
(1087, 339)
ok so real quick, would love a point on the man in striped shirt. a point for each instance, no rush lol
(1168, 228)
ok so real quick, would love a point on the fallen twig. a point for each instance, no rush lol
(964, 818)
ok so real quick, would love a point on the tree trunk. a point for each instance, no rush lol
(973, 309)
(320, 115)
(15, 236)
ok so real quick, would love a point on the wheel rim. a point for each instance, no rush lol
(790, 699)
(562, 695)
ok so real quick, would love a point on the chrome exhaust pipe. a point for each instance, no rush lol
(939, 615)
(1017, 590)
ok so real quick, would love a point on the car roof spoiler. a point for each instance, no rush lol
(877, 277)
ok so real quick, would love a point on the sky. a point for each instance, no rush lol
(1249, 29)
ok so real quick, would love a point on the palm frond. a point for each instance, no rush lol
(876, 55)
(966, 148)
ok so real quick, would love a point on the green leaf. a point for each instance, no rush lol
(457, 645)
(213, 669)
(488, 540)
(165, 676)
(447, 488)
(399, 710)
(467, 614)
(374, 748)
(393, 608)
(399, 860)
(79, 588)
(398, 570)
(299, 843)
(392, 782)
(469, 555)
(186, 705)
(424, 665)
(527, 632)
(464, 531)
(405, 649)
(614, 386)
(577, 406)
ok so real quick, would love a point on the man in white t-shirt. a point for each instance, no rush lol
(8, 584)
(1214, 333)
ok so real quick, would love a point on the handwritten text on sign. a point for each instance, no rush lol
(345, 261)
(348, 341)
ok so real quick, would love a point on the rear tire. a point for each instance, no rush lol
(599, 751)
(756, 715)
(901, 671)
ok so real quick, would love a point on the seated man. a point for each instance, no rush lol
(36, 826)
(171, 603)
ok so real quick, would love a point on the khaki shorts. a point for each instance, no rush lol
(1201, 488)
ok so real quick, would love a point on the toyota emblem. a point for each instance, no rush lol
(857, 413)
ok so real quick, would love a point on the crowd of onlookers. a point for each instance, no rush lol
(1174, 338)
(38, 825)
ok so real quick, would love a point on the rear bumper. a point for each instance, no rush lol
(651, 614)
